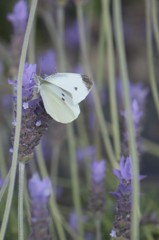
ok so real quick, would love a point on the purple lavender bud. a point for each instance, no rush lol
(139, 92)
(73, 220)
(122, 224)
(88, 152)
(138, 97)
(47, 62)
(125, 171)
(98, 173)
(19, 16)
(35, 120)
(40, 191)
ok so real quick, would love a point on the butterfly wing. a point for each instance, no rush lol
(59, 108)
(76, 85)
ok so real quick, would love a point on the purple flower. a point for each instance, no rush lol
(19, 16)
(97, 195)
(73, 220)
(98, 171)
(124, 174)
(28, 82)
(88, 152)
(113, 234)
(40, 191)
(138, 95)
(139, 92)
(35, 120)
(47, 62)
(123, 194)
(122, 223)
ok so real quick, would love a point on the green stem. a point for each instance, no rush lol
(51, 28)
(18, 121)
(150, 147)
(98, 229)
(154, 4)
(2, 156)
(70, 134)
(60, 36)
(74, 178)
(111, 76)
(151, 67)
(101, 57)
(21, 201)
(132, 143)
(84, 142)
(4, 186)
(31, 47)
(59, 222)
(100, 116)
(55, 163)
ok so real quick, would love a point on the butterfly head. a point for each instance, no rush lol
(38, 80)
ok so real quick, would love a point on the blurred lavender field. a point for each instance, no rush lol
(95, 178)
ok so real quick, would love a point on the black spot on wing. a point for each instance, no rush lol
(76, 88)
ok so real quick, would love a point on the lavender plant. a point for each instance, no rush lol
(122, 224)
(35, 120)
(83, 37)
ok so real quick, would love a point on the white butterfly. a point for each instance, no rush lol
(61, 93)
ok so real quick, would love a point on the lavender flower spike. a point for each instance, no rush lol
(19, 16)
(138, 99)
(125, 172)
(122, 224)
(18, 19)
(35, 120)
(97, 201)
(40, 191)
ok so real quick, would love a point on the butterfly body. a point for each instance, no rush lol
(61, 93)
